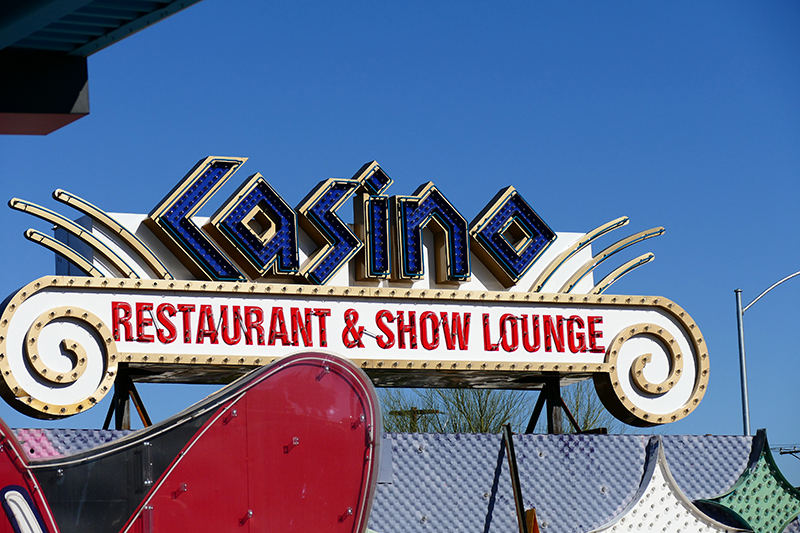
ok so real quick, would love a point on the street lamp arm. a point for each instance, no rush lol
(742, 365)
(787, 278)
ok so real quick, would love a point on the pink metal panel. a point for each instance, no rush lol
(206, 488)
(309, 443)
(16, 475)
(295, 452)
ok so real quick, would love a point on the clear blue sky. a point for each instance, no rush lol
(682, 114)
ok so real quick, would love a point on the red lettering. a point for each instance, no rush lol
(277, 328)
(143, 320)
(509, 341)
(594, 335)
(163, 314)
(323, 331)
(301, 327)
(433, 342)
(206, 326)
(454, 331)
(121, 316)
(352, 332)
(253, 320)
(186, 310)
(237, 325)
(488, 345)
(553, 333)
(381, 320)
(576, 340)
(411, 329)
(536, 338)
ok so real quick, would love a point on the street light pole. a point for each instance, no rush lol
(742, 365)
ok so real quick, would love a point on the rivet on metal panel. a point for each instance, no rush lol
(348, 512)
(290, 447)
(147, 464)
(247, 516)
(147, 519)
(181, 489)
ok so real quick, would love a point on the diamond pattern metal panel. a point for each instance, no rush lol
(659, 505)
(579, 482)
(445, 483)
(48, 443)
(705, 466)
(576, 482)
(762, 496)
(462, 483)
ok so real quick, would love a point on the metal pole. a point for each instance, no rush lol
(742, 366)
(742, 363)
(519, 502)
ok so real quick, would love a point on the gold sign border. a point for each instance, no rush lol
(613, 398)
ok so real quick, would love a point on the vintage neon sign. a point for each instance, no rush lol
(259, 230)
(502, 301)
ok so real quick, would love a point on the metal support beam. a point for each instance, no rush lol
(120, 408)
(508, 439)
(571, 418)
(552, 393)
(537, 412)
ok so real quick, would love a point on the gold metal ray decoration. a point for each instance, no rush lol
(70, 254)
(126, 236)
(86, 236)
(601, 286)
(579, 245)
(605, 254)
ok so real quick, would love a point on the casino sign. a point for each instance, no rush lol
(501, 302)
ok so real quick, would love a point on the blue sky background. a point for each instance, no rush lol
(684, 115)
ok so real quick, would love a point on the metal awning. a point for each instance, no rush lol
(79, 27)
(43, 50)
